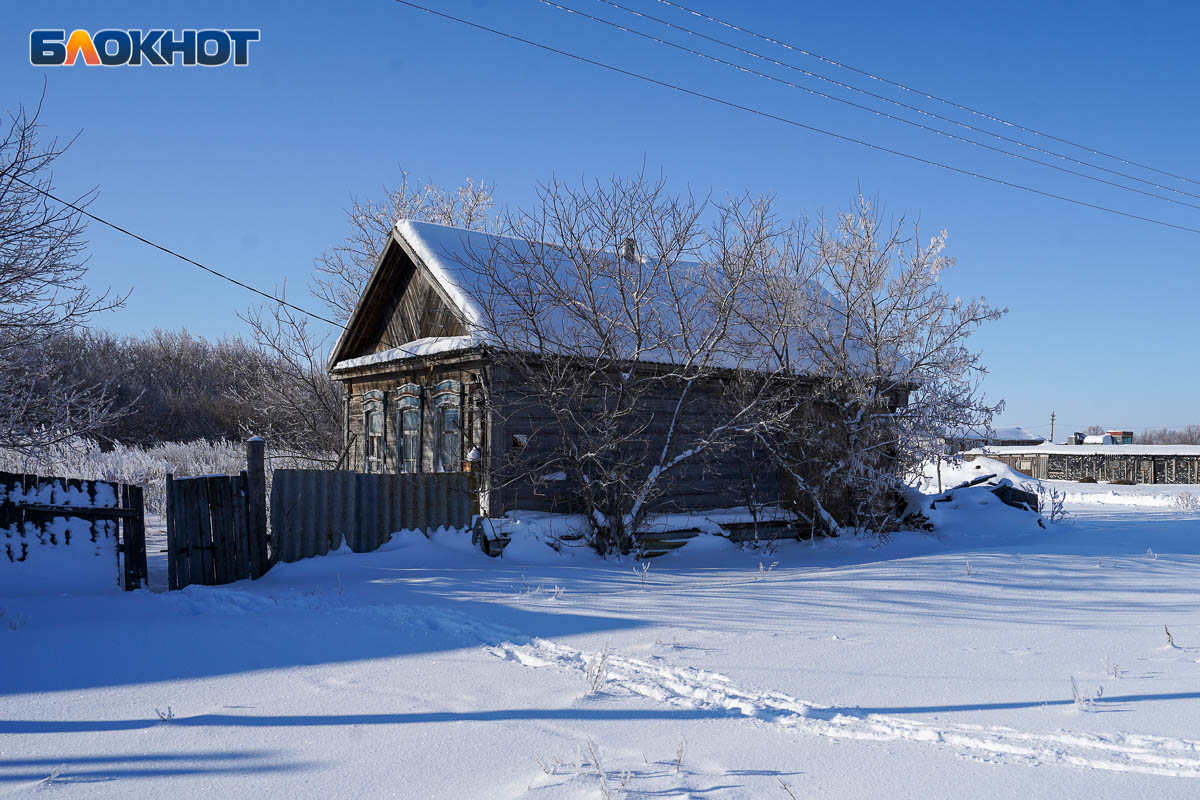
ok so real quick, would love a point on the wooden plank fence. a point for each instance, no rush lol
(217, 524)
(314, 511)
(32, 505)
(210, 539)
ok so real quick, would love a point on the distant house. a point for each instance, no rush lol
(419, 385)
(1108, 437)
(960, 441)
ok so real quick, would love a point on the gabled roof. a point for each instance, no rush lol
(410, 240)
(461, 264)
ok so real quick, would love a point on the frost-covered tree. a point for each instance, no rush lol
(638, 335)
(43, 296)
(856, 312)
(1189, 434)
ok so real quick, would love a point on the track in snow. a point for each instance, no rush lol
(700, 689)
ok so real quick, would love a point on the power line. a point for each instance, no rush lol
(852, 104)
(921, 92)
(886, 99)
(792, 122)
(169, 251)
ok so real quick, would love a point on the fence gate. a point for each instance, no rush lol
(40, 515)
(210, 538)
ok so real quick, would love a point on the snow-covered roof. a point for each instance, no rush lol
(1095, 449)
(483, 274)
(463, 266)
(452, 256)
(1007, 434)
(431, 345)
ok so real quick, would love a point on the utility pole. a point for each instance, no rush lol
(1051, 427)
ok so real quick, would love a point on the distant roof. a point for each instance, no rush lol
(1009, 434)
(1095, 449)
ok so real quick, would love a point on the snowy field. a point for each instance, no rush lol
(930, 667)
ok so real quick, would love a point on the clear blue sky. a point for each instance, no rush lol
(249, 169)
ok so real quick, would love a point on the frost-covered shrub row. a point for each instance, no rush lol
(172, 386)
(146, 467)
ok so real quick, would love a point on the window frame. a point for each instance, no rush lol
(408, 399)
(374, 444)
(447, 398)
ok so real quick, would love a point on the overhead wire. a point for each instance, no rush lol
(792, 122)
(921, 92)
(877, 112)
(893, 101)
(121, 229)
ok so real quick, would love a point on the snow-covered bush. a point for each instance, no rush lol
(1187, 502)
(1051, 501)
(1085, 700)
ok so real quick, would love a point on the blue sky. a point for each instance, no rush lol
(249, 169)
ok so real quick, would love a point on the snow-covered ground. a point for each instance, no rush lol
(932, 666)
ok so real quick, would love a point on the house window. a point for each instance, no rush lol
(447, 429)
(373, 430)
(408, 419)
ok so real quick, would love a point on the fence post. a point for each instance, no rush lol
(256, 506)
(172, 547)
(135, 540)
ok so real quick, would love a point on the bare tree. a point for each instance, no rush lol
(297, 406)
(42, 296)
(300, 405)
(342, 270)
(608, 311)
(1189, 434)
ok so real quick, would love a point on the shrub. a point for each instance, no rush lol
(1087, 479)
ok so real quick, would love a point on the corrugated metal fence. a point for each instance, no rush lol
(314, 511)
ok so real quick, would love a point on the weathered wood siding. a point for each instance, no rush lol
(401, 305)
(413, 310)
(723, 478)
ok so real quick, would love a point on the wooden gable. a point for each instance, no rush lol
(401, 303)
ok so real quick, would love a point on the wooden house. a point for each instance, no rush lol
(418, 384)
(420, 388)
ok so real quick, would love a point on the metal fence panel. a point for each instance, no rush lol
(313, 511)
